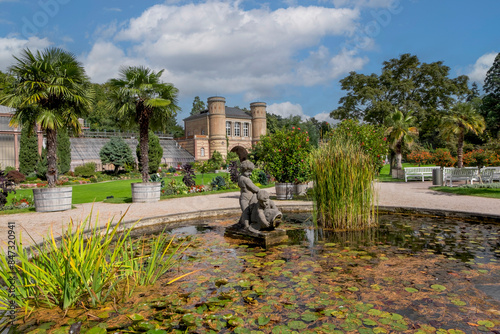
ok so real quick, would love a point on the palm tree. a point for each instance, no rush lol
(139, 97)
(400, 133)
(462, 118)
(51, 89)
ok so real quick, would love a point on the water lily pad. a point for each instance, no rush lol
(438, 287)
(411, 290)
(263, 320)
(458, 302)
(136, 317)
(261, 254)
(369, 322)
(353, 288)
(309, 316)
(486, 323)
(296, 324)
(97, 330)
(281, 329)
(156, 331)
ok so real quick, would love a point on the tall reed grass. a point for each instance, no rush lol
(344, 193)
(87, 267)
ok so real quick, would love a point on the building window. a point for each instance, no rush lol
(228, 128)
(237, 130)
(246, 128)
(202, 152)
(202, 132)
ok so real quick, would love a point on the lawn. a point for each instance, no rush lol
(480, 192)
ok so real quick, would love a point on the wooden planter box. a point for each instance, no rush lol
(53, 199)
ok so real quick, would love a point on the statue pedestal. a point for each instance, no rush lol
(261, 238)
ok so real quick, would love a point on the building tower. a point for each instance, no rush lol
(217, 125)
(259, 122)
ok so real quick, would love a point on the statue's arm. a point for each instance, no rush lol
(250, 186)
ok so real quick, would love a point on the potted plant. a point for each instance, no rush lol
(140, 98)
(52, 90)
(284, 154)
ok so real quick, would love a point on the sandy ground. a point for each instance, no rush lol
(398, 194)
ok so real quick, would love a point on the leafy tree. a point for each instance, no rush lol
(400, 133)
(100, 119)
(51, 88)
(116, 152)
(63, 151)
(198, 106)
(232, 156)
(155, 153)
(407, 85)
(28, 151)
(139, 97)
(216, 160)
(491, 101)
(462, 118)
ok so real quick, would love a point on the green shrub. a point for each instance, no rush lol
(218, 183)
(28, 151)
(116, 152)
(442, 157)
(175, 187)
(6, 187)
(87, 170)
(259, 176)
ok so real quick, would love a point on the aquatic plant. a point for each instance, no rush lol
(343, 193)
(88, 266)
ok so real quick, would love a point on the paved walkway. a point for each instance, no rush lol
(398, 194)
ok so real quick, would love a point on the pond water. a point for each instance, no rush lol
(411, 274)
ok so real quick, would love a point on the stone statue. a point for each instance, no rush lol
(259, 213)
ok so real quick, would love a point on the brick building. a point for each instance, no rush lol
(223, 129)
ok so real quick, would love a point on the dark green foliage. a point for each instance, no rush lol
(6, 187)
(218, 183)
(216, 160)
(42, 166)
(188, 177)
(155, 153)
(87, 170)
(233, 171)
(198, 106)
(262, 177)
(315, 128)
(490, 109)
(407, 85)
(63, 151)
(116, 152)
(28, 151)
(232, 156)
(171, 169)
(16, 176)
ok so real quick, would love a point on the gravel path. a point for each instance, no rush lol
(395, 194)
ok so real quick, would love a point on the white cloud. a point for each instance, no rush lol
(219, 47)
(477, 72)
(286, 109)
(10, 47)
(325, 117)
(104, 61)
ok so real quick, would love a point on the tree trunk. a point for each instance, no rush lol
(399, 156)
(460, 150)
(51, 157)
(144, 146)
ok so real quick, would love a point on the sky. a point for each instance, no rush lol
(290, 54)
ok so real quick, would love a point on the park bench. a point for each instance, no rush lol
(461, 174)
(496, 173)
(418, 172)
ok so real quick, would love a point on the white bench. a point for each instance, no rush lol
(418, 172)
(461, 174)
(496, 173)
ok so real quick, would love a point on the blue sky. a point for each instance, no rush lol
(290, 54)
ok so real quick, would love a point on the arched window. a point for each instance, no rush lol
(202, 152)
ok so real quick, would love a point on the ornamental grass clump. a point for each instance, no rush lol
(88, 267)
(344, 192)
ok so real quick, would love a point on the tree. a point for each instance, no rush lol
(490, 109)
(50, 88)
(216, 160)
(198, 106)
(28, 151)
(139, 97)
(462, 118)
(400, 133)
(155, 153)
(116, 152)
(63, 151)
(407, 85)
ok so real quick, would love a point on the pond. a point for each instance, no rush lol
(412, 274)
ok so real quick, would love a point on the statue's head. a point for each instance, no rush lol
(263, 198)
(247, 167)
